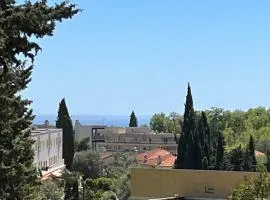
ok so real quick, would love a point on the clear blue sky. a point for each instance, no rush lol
(117, 56)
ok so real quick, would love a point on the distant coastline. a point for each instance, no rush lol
(94, 119)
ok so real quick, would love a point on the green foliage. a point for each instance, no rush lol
(220, 152)
(88, 163)
(64, 122)
(186, 153)
(235, 160)
(71, 186)
(254, 188)
(51, 190)
(83, 145)
(133, 122)
(166, 124)
(250, 156)
(20, 23)
(268, 161)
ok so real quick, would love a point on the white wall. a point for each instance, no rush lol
(48, 147)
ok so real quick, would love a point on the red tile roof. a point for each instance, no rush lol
(258, 153)
(157, 157)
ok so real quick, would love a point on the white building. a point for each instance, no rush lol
(48, 150)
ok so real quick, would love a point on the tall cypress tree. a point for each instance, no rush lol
(185, 152)
(64, 122)
(250, 157)
(19, 24)
(133, 120)
(220, 152)
(202, 141)
(268, 160)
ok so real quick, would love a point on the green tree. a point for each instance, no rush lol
(83, 145)
(133, 122)
(158, 122)
(235, 160)
(251, 154)
(253, 188)
(88, 163)
(186, 141)
(51, 190)
(64, 122)
(20, 24)
(71, 186)
(219, 165)
(268, 161)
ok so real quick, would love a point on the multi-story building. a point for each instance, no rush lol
(48, 149)
(124, 139)
(137, 138)
(94, 132)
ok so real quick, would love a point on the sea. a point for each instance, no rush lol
(109, 120)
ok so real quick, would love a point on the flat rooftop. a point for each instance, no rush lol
(41, 131)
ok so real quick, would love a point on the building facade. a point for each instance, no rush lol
(137, 138)
(48, 149)
(119, 139)
(94, 132)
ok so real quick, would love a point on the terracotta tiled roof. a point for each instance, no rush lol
(258, 153)
(157, 157)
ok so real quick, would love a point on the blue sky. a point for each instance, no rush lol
(117, 56)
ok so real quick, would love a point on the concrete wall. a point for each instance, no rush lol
(157, 183)
(81, 131)
(138, 130)
(47, 147)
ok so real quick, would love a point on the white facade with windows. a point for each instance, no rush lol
(48, 149)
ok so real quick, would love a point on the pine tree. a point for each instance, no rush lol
(19, 24)
(133, 120)
(185, 157)
(220, 152)
(64, 122)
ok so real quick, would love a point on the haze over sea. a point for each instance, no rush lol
(108, 120)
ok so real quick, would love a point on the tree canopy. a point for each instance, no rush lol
(20, 24)
(64, 122)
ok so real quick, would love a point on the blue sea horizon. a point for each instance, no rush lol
(107, 120)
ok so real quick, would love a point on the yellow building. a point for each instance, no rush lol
(195, 184)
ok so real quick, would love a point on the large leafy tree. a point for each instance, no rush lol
(64, 122)
(185, 157)
(133, 122)
(19, 25)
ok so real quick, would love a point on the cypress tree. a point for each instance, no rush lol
(251, 155)
(268, 161)
(185, 151)
(133, 120)
(202, 141)
(204, 163)
(220, 152)
(64, 122)
(19, 24)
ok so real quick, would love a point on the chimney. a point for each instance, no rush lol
(145, 158)
(159, 160)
